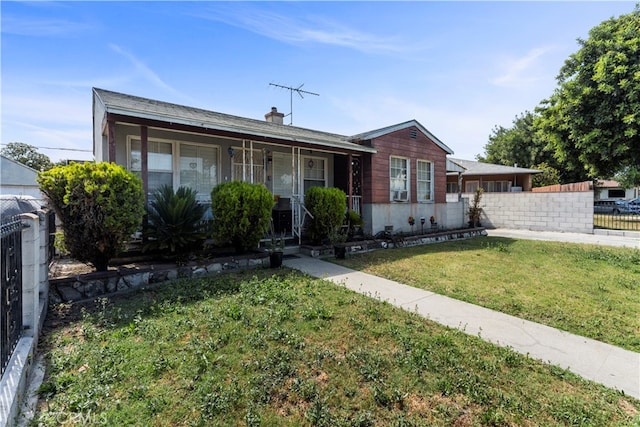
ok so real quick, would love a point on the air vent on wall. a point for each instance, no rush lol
(413, 134)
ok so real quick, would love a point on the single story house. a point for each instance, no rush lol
(490, 177)
(607, 189)
(388, 174)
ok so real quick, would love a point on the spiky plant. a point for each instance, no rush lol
(175, 221)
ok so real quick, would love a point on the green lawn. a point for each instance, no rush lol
(256, 349)
(592, 291)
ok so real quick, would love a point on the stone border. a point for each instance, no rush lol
(409, 241)
(92, 285)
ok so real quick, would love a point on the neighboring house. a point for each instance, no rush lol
(612, 190)
(18, 179)
(387, 174)
(491, 178)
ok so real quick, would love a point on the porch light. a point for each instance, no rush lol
(231, 151)
(310, 163)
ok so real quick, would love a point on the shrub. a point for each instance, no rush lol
(174, 221)
(241, 214)
(100, 206)
(328, 206)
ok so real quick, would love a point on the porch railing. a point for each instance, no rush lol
(10, 289)
(356, 204)
(299, 212)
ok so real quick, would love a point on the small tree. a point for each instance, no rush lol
(328, 207)
(475, 211)
(100, 206)
(174, 221)
(241, 214)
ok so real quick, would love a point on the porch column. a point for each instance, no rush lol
(111, 137)
(144, 164)
(350, 181)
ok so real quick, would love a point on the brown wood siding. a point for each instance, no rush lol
(401, 144)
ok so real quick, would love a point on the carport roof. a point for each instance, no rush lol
(480, 168)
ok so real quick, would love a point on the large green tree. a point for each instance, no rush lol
(27, 155)
(522, 144)
(593, 117)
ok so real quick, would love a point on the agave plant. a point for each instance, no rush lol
(174, 221)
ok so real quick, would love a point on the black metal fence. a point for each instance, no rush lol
(10, 289)
(617, 221)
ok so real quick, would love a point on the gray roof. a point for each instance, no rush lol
(393, 128)
(129, 105)
(480, 168)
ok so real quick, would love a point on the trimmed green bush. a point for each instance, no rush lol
(328, 206)
(241, 214)
(100, 206)
(174, 221)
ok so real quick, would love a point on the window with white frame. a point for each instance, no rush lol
(195, 165)
(424, 180)
(159, 163)
(314, 172)
(199, 169)
(398, 179)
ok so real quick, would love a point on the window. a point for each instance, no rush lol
(398, 182)
(159, 163)
(282, 176)
(196, 166)
(496, 186)
(452, 187)
(424, 180)
(314, 172)
(471, 186)
(199, 169)
(248, 167)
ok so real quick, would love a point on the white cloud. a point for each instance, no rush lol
(521, 71)
(296, 30)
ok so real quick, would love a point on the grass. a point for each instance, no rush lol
(288, 350)
(591, 291)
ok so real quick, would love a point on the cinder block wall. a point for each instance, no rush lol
(567, 211)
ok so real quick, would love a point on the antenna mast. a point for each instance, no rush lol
(299, 91)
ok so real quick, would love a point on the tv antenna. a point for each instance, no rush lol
(299, 91)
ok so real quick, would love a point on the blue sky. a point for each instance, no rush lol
(459, 68)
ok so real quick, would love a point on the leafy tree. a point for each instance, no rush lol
(241, 214)
(593, 117)
(174, 220)
(523, 144)
(100, 206)
(27, 155)
(549, 175)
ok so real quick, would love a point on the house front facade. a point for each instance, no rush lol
(386, 174)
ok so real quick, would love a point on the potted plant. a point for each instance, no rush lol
(275, 249)
(338, 238)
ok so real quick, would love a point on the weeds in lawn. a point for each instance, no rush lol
(289, 350)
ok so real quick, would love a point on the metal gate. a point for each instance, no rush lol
(10, 289)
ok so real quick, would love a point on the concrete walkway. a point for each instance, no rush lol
(603, 363)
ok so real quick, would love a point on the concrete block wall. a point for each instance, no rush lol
(34, 289)
(564, 212)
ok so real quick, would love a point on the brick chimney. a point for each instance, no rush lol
(274, 117)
